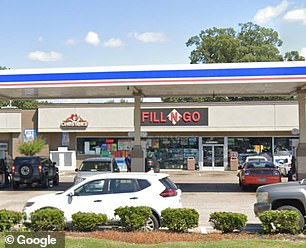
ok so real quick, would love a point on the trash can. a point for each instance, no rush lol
(234, 162)
(190, 163)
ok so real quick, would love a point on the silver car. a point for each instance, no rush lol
(94, 166)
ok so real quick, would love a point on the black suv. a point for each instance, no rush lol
(39, 170)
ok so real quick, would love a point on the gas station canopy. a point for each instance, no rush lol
(192, 80)
(239, 79)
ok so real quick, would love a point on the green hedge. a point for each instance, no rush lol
(284, 221)
(179, 219)
(227, 221)
(47, 219)
(86, 222)
(9, 218)
(133, 218)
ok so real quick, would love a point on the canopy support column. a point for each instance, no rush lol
(137, 152)
(301, 149)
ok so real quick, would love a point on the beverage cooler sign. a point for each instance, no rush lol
(174, 117)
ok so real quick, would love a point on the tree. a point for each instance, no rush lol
(252, 43)
(293, 56)
(258, 44)
(215, 46)
(30, 148)
(21, 104)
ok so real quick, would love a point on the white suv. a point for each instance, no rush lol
(104, 193)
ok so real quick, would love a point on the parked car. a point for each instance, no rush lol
(121, 164)
(104, 193)
(255, 173)
(283, 163)
(94, 166)
(34, 170)
(255, 158)
(282, 196)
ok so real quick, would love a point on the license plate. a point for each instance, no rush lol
(262, 180)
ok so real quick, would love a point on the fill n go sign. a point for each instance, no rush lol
(174, 117)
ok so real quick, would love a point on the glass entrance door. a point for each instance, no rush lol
(213, 156)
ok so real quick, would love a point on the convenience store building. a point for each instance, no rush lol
(215, 135)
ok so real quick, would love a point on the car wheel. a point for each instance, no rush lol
(151, 224)
(15, 185)
(244, 187)
(26, 170)
(44, 183)
(56, 180)
(288, 207)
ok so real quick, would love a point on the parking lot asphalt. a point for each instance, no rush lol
(205, 191)
(214, 191)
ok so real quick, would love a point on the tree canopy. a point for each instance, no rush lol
(252, 43)
(21, 104)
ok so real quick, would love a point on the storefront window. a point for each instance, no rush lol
(284, 146)
(172, 152)
(213, 140)
(118, 147)
(250, 146)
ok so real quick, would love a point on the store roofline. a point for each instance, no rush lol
(165, 104)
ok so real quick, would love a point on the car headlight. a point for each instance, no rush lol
(262, 196)
(28, 204)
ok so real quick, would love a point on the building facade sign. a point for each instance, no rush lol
(174, 117)
(29, 135)
(74, 120)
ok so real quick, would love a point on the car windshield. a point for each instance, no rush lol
(95, 166)
(260, 164)
(257, 159)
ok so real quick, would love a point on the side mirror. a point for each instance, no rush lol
(76, 170)
(240, 167)
(70, 194)
(54, 163)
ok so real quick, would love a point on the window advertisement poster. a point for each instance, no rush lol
(65, 139)
(29, 135)
(124, 145)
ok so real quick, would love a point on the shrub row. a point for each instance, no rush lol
(130, 218)
(284, 221)
(9, 218)
(180, 219)
(134, 218)
(272, 222)
(227, 221)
